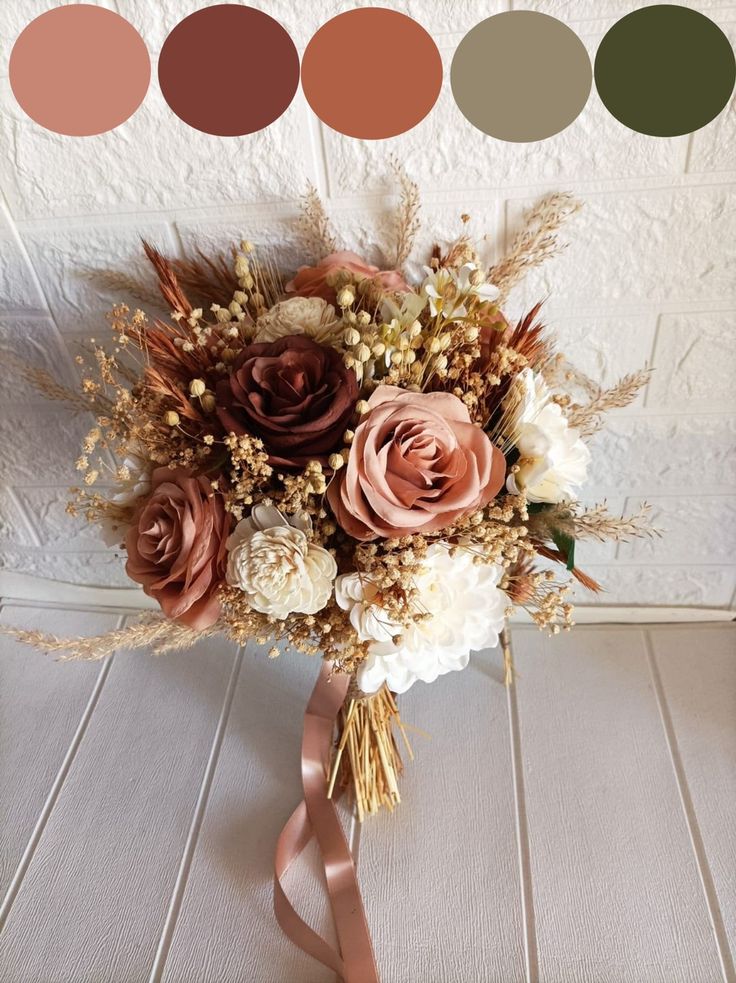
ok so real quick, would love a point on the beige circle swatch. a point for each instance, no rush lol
(521, 76)
(79, 70)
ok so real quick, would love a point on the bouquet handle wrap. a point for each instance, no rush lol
(317, 816)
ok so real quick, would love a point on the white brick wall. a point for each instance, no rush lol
(649, 275)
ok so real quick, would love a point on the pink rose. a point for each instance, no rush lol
(176, 547)
(318, 281)
(416, 464)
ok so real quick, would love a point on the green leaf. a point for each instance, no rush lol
(565, 544)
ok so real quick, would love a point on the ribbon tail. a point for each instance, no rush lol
(317, 815)
(293, 839)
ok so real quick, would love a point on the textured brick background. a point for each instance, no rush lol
(649, 275)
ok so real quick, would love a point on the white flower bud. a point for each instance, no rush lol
(171, 418)
(197, 387)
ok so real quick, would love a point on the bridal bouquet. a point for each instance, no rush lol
(348, 462)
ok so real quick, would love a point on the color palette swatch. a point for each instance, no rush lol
(665, 70)
(228, 70)
(373, 73)
(521, 76)
(365, 96)
(79, 70)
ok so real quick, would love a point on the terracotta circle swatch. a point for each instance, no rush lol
(665, 70)
(521, 76)
(371, 73)
(228, 70)
(79, 70)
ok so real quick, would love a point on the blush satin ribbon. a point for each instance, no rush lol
(317, 816)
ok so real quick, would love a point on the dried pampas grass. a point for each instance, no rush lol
(153, 632)
(536, 243)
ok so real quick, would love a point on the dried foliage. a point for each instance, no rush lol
(156, 633)
(209, 279)
(119, 283)
(314, 227)
(45, 384)
(407, 217)
(588, 418)
(536, 243)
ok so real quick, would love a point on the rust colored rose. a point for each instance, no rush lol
(176, 547)
(416, 464)
(319, 280)
(293, 393)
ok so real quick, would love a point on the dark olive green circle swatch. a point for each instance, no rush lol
(665, 70)
(521, 76)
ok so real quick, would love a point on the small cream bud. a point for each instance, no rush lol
(240, 298)
(434, 346)
(362, 353)
(171, 418)
(335, 461)
(362, 407)
(208, 403)
(471, 334)
(351, 336)
(197, 387)
(346, 297)
(378, 349)
(364, 318)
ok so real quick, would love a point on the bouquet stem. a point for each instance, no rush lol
(367, 757)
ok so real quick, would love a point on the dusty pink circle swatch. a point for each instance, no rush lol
(80, 70)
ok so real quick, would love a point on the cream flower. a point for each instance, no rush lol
(449, 290)
(310, 316)
(466, 613)
(553, 460)
(271, 559)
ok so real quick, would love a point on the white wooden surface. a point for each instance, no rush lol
(580, 828)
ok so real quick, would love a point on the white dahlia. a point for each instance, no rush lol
(271, 559)
(466, 613)
(553, 460)
(310, 316)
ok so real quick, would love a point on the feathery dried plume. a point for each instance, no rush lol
(595, 522)
(171, 290)
(211, 279)
(536, 243)
(123, 283)
(407, 216)
(562, 375)
(314, 226)
(589, 418)
(158, 633)
(45, 384)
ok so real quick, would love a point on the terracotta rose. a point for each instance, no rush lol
(293, 393)
(416, 465)
(319, 280)
(176, 547)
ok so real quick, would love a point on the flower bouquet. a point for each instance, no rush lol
(351, 463)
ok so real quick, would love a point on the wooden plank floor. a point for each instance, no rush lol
(580, 828)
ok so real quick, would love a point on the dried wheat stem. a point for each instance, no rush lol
(536, 243)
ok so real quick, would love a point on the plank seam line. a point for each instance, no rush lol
(177, 896)
(531, 955)
(696, 839)
(56, 787)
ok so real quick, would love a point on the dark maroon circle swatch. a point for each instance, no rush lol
(228, 70)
